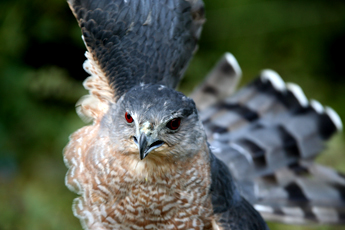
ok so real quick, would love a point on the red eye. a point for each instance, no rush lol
(174, 123)
(129, 118)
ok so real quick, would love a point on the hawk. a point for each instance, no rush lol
(155, 159)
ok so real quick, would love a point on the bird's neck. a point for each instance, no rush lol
(155, 168)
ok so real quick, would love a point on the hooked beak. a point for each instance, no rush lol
(146, 144)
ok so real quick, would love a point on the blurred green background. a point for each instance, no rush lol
(41, 56)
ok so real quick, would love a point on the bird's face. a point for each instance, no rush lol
(153, 121)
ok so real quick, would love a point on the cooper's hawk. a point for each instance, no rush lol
(145, 162)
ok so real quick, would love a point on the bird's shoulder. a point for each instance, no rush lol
(231, 210)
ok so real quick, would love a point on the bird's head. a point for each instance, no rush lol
(153, 121)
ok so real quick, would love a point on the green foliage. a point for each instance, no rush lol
(41, 57)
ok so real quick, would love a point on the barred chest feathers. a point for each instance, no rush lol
(120, 192)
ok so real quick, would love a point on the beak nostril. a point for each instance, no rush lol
(156, 143)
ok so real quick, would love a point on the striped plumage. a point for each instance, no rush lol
(268, 134)
(151, 160)
(114, 196)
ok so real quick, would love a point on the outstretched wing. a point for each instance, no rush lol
(268, 134)
(132, 42)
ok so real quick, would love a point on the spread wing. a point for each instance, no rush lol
(132, 42)
(268, 134)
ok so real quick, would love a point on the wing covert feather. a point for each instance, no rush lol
(232, 210)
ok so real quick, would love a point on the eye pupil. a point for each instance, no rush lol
(174, 123)
(128, 117)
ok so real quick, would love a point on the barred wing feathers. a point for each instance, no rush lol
(220, 83)
(268, 134)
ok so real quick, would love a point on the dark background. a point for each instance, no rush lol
(41, 57)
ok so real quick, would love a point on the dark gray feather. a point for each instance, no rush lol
(140, 41)
(234, 211)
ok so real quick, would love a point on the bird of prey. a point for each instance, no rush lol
(155, 159)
